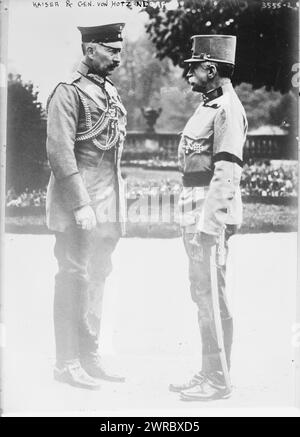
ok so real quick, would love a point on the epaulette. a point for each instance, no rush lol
(71, 78)
(74, 77)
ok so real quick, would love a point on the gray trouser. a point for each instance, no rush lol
(84, 262)
(200, 287)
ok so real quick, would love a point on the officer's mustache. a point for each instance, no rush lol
(114, 65)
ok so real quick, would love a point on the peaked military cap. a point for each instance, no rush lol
(107, 33)
(218, 48)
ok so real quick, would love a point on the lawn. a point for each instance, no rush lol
(258, 217)
(262, 216)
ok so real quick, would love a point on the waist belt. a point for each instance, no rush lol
(197, 179)
(201, 178)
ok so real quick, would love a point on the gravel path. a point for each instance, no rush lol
(150, 332)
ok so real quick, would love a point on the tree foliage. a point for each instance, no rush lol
(258, 104)
(285, 113)
(144, 81)
(26, 135)
(139, 79)
(267, 36)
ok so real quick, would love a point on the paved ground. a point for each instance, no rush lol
(149, 329)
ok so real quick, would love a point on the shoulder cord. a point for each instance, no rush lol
(105, 121)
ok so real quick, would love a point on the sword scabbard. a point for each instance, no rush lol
(217, 315)
(221, 250)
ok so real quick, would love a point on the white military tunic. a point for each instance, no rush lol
(210, 158)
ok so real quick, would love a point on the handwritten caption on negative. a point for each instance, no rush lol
(98, 3)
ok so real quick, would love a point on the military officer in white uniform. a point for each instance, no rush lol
(210, 158)
(85, 135)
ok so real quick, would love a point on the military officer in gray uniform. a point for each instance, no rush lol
(210, 158)
(85, 136)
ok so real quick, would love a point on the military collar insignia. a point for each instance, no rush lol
(211, 95)
(96, 79)
(85, 71)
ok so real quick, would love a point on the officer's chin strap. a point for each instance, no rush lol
(218, 256)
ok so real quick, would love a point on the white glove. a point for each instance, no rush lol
(85, 217)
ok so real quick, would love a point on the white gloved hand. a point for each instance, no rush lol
(85, 217)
